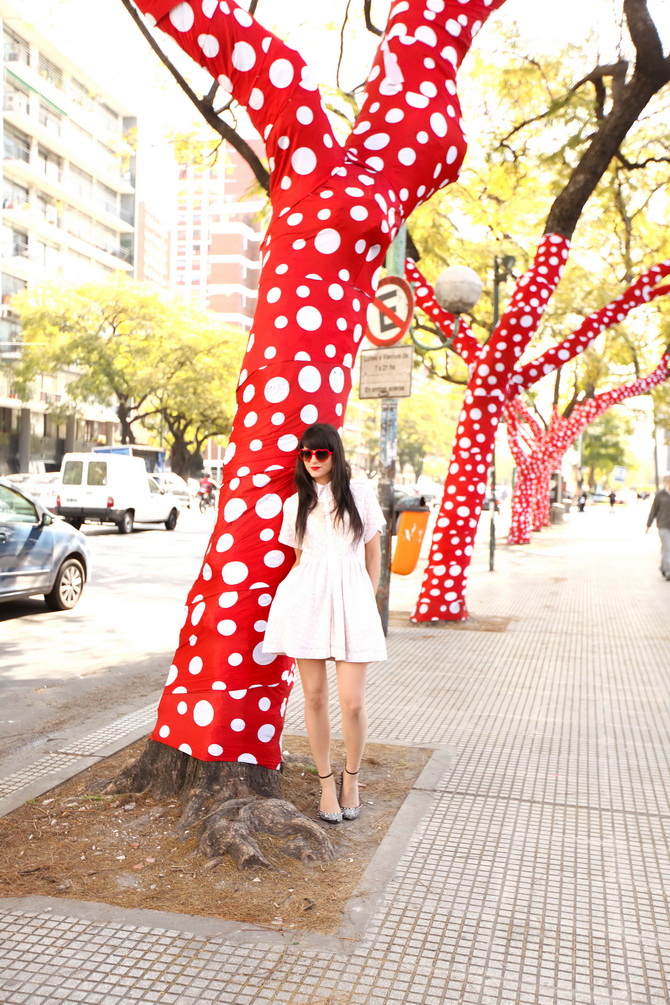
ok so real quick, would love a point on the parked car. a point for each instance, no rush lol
(173, 483)
(113, 488)
(43, 487)
(39, 552)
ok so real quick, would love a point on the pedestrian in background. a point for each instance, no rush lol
(660, 512)
(326, 608)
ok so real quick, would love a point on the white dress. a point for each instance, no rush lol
(325, 608)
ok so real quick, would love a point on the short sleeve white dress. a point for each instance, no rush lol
(325, 608)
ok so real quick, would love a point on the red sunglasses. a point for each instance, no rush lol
(320, 454)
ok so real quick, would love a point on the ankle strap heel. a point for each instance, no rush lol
(349, 812)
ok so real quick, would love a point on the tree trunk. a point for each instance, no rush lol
(229, 804)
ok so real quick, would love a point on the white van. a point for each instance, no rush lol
(112, 488)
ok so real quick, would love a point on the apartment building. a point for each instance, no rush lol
(68, 209)
(219, 233)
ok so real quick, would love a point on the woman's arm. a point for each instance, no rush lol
(373, 559)
(298, 556)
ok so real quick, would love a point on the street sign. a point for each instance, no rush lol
(386, 373)
(390, 313)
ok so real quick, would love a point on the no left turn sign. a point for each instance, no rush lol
(390, 313)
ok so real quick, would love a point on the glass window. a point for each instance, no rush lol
(50, 71)
(13, 196)
(97, 473)
(153, 487)
(14, 508)
(72, 474)
(16, 49)
(49, 119)
(16, 145)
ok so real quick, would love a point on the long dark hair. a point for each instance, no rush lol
(322, 434)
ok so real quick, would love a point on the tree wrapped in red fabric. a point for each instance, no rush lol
(496, 373)
(494, 377)
(538, 451)
(335, 209)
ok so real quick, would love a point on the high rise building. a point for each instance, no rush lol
(68, 209)
(219, 234)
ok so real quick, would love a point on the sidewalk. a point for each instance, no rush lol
(531, 861)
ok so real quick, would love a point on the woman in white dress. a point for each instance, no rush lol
(326, 609)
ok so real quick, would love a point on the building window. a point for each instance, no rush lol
(16, 145)
(50, 119)
(81, 183)
(49, 164)
(16, 99)
(13, 196)
(50, 71)
(16, 49)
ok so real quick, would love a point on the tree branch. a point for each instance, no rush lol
(204, 105)
(367, 10)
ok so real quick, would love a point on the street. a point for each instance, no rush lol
(110, 654)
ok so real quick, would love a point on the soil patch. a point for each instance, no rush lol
(78, 843)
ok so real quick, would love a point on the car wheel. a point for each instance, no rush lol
(125, 524)
(171, 521)
(68, 586)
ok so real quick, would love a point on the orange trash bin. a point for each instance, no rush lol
(410, 528)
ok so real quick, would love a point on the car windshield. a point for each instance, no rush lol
(15, 508)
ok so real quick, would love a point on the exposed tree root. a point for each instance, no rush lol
(231, 804)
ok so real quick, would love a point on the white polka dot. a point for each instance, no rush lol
(234, 509)
(281, 73)
(250, 419)
(215, 749)
(274, 559)
(304, 115)
(237, 725)
(327, 241)
(281, 321)
(203, 713)
(377, 141)
(265, 600)
(309, 414)
(262, 658)
(186, 749)
(406, 156)
(336, 379)
(234, 572)
(309, 379)
(277, 389)
(235, 659)
(225, 542)
(243, 56)
(247, 759)
(273, 295)
(277, 418)
(303, 161)
(303, 292)
(238, 694)
(172, 675)
(165, 730)
(266, 732)
(264, 704)
(268, 506)
(197, 613)
(288, 442)
(256, 98)
(309, 319)
(195, 666)
(228, 599)
(395, 115)
(209, 45)
(260, 626)
(182, 17)
(182, 708)
(294, 219)
(226, 627)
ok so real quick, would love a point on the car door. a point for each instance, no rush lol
(26, 546)
(158, 503)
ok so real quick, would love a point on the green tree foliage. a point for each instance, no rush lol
(161, 362)
(604, 445)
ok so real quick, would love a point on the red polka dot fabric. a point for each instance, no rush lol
(335, 211)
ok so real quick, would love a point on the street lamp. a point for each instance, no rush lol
(457, 289)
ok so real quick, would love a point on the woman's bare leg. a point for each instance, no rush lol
(317, 722)
(351, 691)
